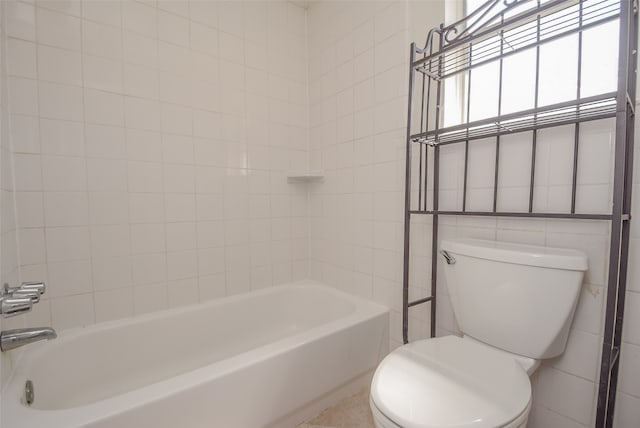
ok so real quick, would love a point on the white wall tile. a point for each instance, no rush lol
(60, 101)
(631, 332)
(205, 13)
(181, 265)
(57, 29)
(179, 178)
(102, 40)
(233, 14)
(62, 173)
(108, 208)
(146, 207)
(102, 73)
(142, 114)
(28, 172)
(25, 134)
(72, 311)
(231, 48)
(106, 175)
(147, 238)
(211, 287)
(144, 177)
(149, 268)
(104, 12)
(113, 304)
(59, 65)
(66, 209)
(30, 207)
(21, 20)
(581, 357)
(176, 7)
(565, 394)
(140, 18)
(32, 246)
(141, 81)
(173, 29)
(627, 411)
(110, 241)
(23, 96)
(143, 145)
(68, 244)
(21, 58)
(139, 49)
(183, 292)
(103, 108)
(105, 141)
(59, 137)
(150, 298)
(70, 278)
(204, 39)
(181, 236)
(68, 7)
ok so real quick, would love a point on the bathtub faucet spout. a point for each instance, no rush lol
(12, 339)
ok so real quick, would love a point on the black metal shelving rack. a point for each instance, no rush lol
(496, 30)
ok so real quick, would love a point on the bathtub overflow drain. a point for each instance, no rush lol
(29, 393)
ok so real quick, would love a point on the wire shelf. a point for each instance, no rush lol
(586, 109)
(516, 35)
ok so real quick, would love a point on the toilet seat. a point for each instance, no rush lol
(383, 422)
(452, 382)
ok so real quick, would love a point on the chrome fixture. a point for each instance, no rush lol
(18, 300)
(12, 339)
(448, 257)
(29, 393)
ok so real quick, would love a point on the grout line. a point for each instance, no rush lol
(86, 168)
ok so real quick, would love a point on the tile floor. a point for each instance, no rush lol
(352, 412)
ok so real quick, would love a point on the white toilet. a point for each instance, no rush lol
(514, 303)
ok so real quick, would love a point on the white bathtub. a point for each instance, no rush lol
(245, 361)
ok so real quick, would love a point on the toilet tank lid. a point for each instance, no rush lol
(522, 254)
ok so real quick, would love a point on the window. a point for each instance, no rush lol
(477, 94)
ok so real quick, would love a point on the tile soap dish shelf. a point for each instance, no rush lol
(314, 176)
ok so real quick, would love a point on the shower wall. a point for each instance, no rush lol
(357, 96)
(151, 142)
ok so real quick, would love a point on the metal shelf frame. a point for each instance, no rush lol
(496, 30)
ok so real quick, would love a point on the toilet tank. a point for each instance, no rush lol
(519, 298)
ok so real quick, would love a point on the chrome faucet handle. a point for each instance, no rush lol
(18, 300)
(7, 291)
(26, 287)
(34, 295)
(12, 306)
(33, 286)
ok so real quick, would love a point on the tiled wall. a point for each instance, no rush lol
(628, 397)
(358, 83)
(357, 93)
(151, 142)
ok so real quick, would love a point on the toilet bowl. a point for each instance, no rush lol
(514, 304)
(450, 382)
